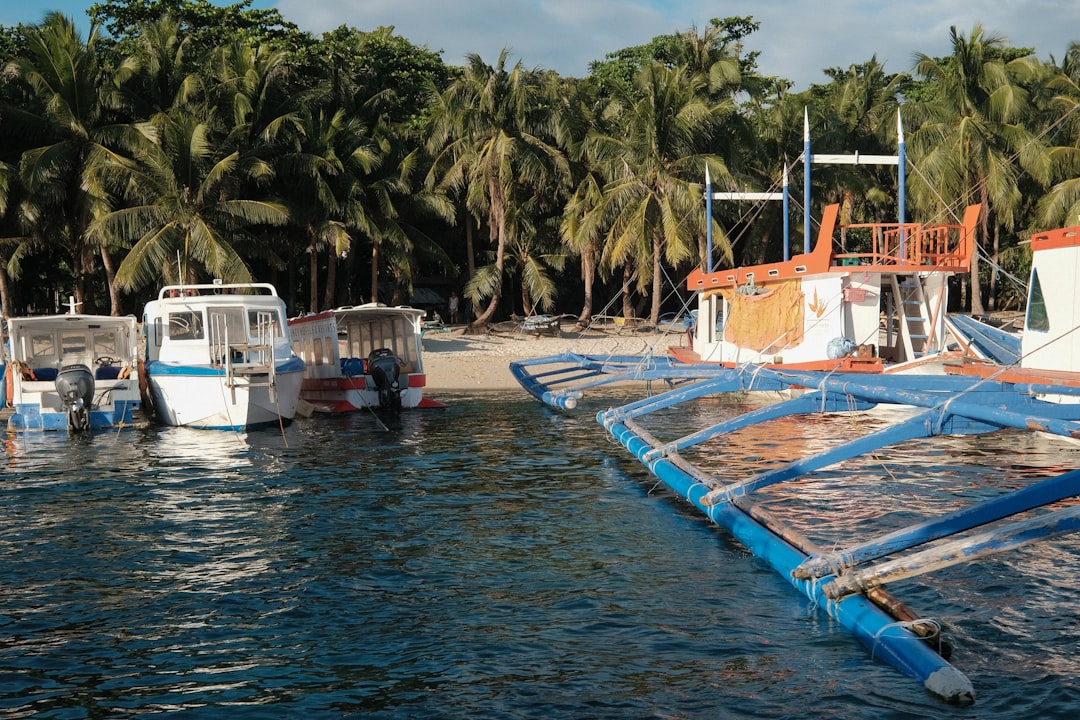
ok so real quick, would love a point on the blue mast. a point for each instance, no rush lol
(787, 216)
(806, 181)
(708, 220)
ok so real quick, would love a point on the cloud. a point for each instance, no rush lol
(797, 38)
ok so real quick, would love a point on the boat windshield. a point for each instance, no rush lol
(185, 325)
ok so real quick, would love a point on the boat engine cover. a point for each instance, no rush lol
(385, 369)
(75, 386)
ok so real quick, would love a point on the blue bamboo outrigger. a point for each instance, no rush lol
(1040, 392)
(990, 381)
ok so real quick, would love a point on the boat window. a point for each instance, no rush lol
(106, 345)
(73, 343)
(42, 346)
(185, 325)
(263, 323)
(1037, 318)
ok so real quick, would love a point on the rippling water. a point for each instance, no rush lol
(493, 560)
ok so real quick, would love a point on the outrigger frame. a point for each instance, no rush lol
(842, 581)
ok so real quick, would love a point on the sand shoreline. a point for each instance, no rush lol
(454, 361)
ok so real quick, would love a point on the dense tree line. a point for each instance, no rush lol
(182, 141)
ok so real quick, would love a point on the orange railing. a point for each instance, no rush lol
(914, 245)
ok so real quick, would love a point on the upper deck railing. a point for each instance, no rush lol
(910, 246)
(895, 248)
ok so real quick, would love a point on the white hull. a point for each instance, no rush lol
(203, 401)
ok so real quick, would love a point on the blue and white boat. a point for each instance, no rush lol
(71, 372)
(218, 356)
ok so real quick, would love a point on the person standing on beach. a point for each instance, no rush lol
(453, 307)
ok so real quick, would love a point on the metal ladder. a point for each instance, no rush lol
(916, 327)
(245, 359)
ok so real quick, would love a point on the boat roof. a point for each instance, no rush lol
(61, 321)
(173, 291)
(367, 311)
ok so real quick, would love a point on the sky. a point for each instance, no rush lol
(797, 39)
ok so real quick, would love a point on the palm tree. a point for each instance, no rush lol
(389, 206)
(184, 210)
(166, 73)
(320, 180)
(489, 135)
(971, 135)
(654, 160)
(858, 112)
(1061, 204)
(62, 175)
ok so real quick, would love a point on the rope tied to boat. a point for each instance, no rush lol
(919, 629)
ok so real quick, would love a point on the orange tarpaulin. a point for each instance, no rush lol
(768, 322)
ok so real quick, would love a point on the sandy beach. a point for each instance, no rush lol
(454, 361)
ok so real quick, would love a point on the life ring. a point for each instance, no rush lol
(9, 383)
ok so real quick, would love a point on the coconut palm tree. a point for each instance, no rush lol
(75, 140)
(184, 214)
(332, 153)
(491, 134)
(654, 160)
(1061, 203)
(972, 137)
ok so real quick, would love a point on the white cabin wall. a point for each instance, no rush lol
(823, 319)
(862, 323)
(1056, 348)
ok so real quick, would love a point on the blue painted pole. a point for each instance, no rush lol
(708, 221)
(901, 180)
(806, 181)
(787, 215)
(987, 511)
(966, 549)
(901, 172)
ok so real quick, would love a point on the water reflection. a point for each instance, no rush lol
(422, 567)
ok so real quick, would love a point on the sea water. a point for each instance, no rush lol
(495, 559)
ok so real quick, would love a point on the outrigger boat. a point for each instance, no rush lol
(218, 356)
(879, 309)
(363, 356)
(71, 372)
(1040, 392)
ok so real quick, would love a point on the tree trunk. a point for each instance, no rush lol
(497, 225)
(470, 253)
(657, 282)
(313, 281)
(470, 259)
(994, 269)
(627, 304)
(588, 276)
(374, 272)
(5, 294)
(331, 280)
(110, 281)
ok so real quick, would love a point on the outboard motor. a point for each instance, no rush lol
(75, 385)
(385, 369)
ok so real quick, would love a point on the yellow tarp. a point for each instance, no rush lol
(768, 322)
